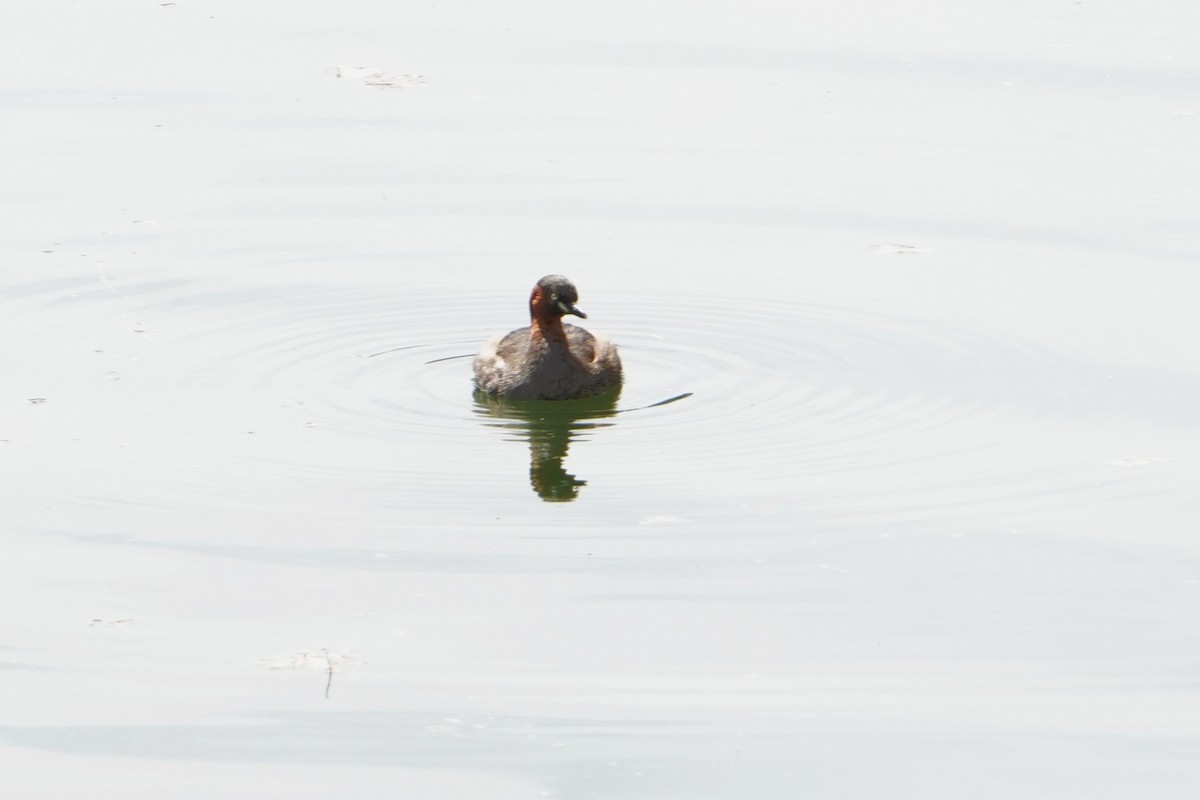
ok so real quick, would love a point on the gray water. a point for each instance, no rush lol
(897, 500)
(862, 538)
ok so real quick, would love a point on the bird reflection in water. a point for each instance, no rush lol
(549, 426)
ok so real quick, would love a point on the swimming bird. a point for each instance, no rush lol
(548, 360)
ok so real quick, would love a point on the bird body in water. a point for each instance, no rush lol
(548, 360)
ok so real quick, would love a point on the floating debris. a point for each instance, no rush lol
(369, 76)
(897, 249)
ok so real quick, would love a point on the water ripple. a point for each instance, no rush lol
(364, 392)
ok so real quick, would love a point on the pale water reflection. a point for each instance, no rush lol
(549, 427)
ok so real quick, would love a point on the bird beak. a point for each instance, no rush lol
(567, 308)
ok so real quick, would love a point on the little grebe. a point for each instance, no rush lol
(548, 360)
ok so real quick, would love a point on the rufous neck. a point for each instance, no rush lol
(544, 320)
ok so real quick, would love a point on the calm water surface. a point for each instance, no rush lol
(815, 552)
(918, 522)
